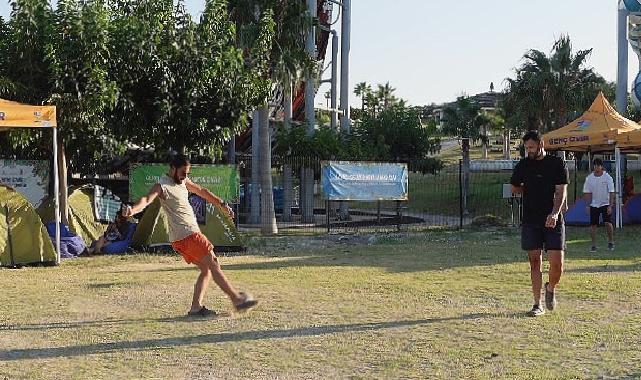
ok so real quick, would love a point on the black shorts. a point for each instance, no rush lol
(535, 237)
(595, 212)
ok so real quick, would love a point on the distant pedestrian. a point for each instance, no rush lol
(598, 192)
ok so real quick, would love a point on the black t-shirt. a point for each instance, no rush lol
(539, 178)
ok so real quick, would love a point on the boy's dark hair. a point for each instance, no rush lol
(597, 162)
(178, 161)
(532, 135)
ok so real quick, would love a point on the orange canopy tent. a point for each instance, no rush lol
(596, 130)
(17, 115)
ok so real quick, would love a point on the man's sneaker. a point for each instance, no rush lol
(550, 298)
(593, 249)
(536, 311)
(611, 246)
(203, 312)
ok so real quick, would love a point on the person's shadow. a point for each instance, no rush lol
(97, 348)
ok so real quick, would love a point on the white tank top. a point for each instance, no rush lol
(180, 215)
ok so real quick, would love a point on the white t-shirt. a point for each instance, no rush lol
(600, 187)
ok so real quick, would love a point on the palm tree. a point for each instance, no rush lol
(286, 58)
(386, 94)
(549, 89)
(361, 90)
(487, 121)
(372, 102)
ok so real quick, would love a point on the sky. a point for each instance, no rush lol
(432, 51)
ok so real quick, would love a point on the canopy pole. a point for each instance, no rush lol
(56, 190)
(619, 208)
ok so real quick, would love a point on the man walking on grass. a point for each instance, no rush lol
(173, 190)
(542, 179)
(598, 192)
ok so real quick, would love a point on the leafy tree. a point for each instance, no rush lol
(463, 120)
(26, 74)
(83, 93)
(550, 90)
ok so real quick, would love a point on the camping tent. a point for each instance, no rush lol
(219, 228)
(597, 130)
(83, 220)
(23, 238)
(17, 115)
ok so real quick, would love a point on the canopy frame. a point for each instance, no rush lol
(38, 117)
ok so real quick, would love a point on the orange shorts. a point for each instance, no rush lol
(193, 248)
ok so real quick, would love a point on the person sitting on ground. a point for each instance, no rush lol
(116, 231)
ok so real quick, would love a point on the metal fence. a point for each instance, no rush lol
(447, 198)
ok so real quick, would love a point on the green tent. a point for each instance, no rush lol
(82, 218)
(23, 238)
(219, 228)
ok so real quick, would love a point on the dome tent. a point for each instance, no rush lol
(23, 238)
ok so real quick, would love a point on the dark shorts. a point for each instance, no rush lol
(535, 237)
(595, 212)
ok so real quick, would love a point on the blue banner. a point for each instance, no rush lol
(363, 181)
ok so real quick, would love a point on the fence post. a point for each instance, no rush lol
(327, 214)
(399, 217)
(576, 168)
(460, 193)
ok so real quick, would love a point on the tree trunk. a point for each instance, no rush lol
(288, 181)
(307, 193)
(231, 151)
(255, 166)
(484, 137)
(507, 144)
(62, 178)
(267, 215)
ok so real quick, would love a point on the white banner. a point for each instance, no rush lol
(29, 178)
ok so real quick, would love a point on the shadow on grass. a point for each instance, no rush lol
(607, 268)
(431, 252)
(107, 322)
(404, 262)
(98, 348)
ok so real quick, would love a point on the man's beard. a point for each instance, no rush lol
(178, 180)
(536, 155)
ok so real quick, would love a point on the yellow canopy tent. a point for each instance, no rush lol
(629, 141)
(18, 115)
(595, 131)
(599, 129)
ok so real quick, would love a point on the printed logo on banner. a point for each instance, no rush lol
(199, 205)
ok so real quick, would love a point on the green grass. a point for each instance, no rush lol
(441, 304)
(452, 155)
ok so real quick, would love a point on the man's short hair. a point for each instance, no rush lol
(597, 162)
(532, 135)
(179, 160)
